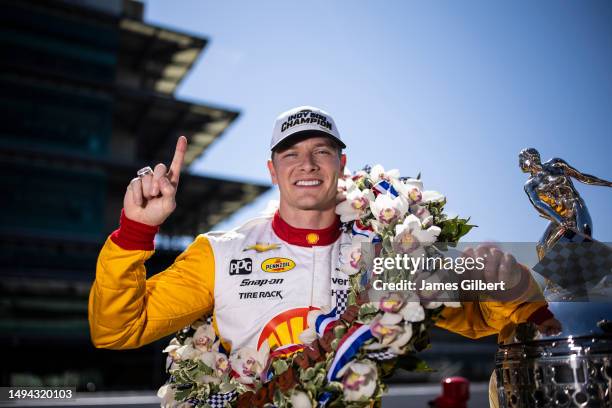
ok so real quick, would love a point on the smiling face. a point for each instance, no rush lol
(307, 174)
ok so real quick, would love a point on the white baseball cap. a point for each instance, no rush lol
(301, 121)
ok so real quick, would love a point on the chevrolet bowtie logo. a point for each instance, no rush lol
(261, 247)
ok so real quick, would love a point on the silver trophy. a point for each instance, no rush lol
(572, 368)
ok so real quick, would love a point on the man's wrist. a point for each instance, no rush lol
(540, 316)
(134, 235)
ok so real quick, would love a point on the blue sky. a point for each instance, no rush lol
(451, 89)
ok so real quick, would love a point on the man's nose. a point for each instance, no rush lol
(309, 164)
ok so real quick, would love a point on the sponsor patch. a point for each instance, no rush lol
(261, 282)
(312, 238)
(277, 265)
(241, 266)
(261, 295)
(261, 247)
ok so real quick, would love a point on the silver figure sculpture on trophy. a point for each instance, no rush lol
(572, 368)
(552, 193)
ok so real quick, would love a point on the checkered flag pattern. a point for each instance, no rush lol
(221, 400)
(341, 300)
(382, 355)
(576, 262)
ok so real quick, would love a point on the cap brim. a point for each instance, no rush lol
(306, 134)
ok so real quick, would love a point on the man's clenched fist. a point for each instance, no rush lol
(150, 199)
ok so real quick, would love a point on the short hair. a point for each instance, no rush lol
(286, 144)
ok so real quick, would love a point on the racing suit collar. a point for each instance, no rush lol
(305, 237)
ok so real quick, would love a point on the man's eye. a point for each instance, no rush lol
(323, 152)
(290, 155)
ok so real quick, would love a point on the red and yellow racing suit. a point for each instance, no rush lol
(258, 281)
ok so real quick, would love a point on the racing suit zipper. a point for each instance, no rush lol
(312, 275)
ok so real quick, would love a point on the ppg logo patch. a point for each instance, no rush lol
(241, 266)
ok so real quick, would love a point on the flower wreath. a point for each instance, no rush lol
(346, 356)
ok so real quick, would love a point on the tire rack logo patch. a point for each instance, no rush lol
(241, 266)
(277, 265)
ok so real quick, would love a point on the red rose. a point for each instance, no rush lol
(313, 352)
(363, 298)
(287, 380)
(244, 399)
(261, 397)
(302, 360)
(350, 314)
(326, 340)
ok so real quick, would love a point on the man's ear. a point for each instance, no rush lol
(342, 163)
(272, 172)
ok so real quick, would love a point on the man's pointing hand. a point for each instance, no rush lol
(151, 198)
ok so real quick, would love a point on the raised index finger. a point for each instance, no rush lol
(177, 160)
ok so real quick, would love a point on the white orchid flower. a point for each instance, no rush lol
(249, 363)
(171, 349)
(308, 336)
(312, 315)
(166, 393)
(346, 184)
(218, 362)
(359, 176)
(391, 302)
(351, 257)
(386, 328)
(411, 238)
(356, 204)
(377, 173)
(423, 214)
(299, 399)
(413, 312)
(432, 196)
(437, 304)
(388, 209)
(390, 332)
(195, 325)
(359, 380)
(204, 338)
(412, 189)
(186, 352)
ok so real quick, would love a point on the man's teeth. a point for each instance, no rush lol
(308, 183)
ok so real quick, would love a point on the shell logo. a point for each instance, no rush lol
(277, 265)
(283, 331)
(312, 238)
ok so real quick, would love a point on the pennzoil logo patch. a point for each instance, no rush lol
(277, 265)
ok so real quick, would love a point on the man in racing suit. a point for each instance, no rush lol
(258, 280)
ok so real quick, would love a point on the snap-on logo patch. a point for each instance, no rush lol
(277, 265)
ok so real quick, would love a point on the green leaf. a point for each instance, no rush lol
(453, 229)
(279, 366)
(307, 374)
(339, 331)
(367, 312)
(333, 386)
(182, 395)
(352, 298)
(387, 367)
(412, 363)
